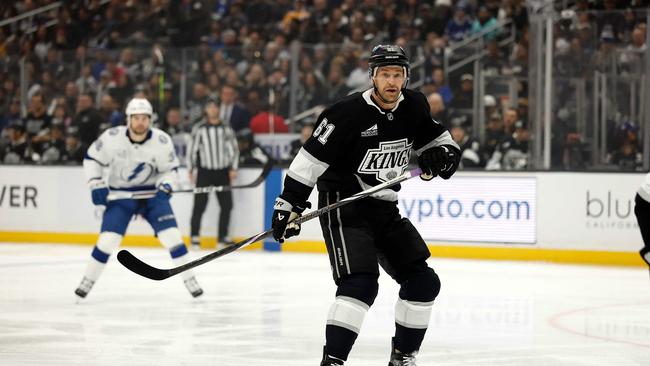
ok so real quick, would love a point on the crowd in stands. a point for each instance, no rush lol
(84, 60)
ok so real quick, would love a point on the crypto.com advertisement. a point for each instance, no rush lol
(470, 208)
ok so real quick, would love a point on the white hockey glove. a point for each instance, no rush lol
(98, 192)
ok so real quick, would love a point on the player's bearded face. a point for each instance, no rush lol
(139, 124)
(389, 81)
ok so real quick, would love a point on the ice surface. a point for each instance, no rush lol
(263, 308)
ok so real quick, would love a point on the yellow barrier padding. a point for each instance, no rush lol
(502, 253)
(515, 253)
(90, 239)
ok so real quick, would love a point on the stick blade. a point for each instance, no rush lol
(135, 265)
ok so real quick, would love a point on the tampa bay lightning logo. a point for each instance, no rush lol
(138, 174)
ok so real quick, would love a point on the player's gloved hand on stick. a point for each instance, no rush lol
(99, 192)
(283, 215)
(440, 160)
(164, 191)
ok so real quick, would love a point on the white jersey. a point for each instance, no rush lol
(644, 190)
(132, 166)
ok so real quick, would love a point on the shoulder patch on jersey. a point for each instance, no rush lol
(163, 139)
(113, 131)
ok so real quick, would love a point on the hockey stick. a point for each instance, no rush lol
(137, 266)
(197, 190)
(645, 254)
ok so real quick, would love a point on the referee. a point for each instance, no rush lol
(213, 157)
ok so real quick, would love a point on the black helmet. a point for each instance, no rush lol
(384, 55)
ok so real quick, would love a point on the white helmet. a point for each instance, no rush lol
(138, 106)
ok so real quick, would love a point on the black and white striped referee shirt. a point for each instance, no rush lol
(212, 147)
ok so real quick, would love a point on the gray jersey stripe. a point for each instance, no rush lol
(412, 326)
(300, 179)
(329, 227)
(345, 249)
(354, 301)
(417, 303)
(443, 139)
(343, 325)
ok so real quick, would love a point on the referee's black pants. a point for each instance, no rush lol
(642, 212)
(209, 177)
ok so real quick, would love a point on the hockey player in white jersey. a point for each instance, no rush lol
(134, 158)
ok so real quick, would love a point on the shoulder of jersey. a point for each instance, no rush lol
(115, 132)
(160, 136)
(346, 106)
(414, 95)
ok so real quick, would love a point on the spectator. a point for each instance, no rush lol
(512, 152)
(358, 78)
(232, 113)
(181, 139)
(196, 104)
(336, 88)
(17, 151)
(438, 110)
(250, 153)
(279, 92)
(37, 123)
(311, 92)
(11, 116)
(105, 85)
(434, 52)
(470, 148)
(87, 121)
(440, 84)
(53, 149)
(306, 130)
(110, 114)
(268, 122)
(485, 20)
(490, 105)
(464, 98)
(61, 116)
(493, 62)
(459, 26)
(86, 83)
(631, 58)
(74, 151)
(494, 133)
(509, 119)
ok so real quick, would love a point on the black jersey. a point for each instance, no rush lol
(356, 145)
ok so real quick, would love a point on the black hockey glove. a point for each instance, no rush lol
(283, 215)
(440, 160)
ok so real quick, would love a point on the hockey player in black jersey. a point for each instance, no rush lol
(360, 141)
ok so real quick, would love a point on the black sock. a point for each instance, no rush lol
(408, 340)
(339, 341)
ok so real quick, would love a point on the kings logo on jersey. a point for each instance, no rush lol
(388, 161)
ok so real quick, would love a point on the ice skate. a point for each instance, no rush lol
(84, 287)
(225, 242)
(196, 244)
(401, 359)
(329, 360)
(193, 287)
